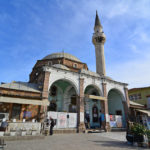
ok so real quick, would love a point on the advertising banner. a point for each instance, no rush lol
(62, 120)
(119, 121)
(52, 114)
(116, 121)
(72, 120)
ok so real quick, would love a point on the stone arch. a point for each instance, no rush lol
(115, 104)
(67, 80)
(118, 91)
(90, 103)
(65, 96)
(94, 87)
(69, 92)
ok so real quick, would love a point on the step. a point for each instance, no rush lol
(94, 131)
(64, 131)
(118, 129)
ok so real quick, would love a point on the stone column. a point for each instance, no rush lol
(127, 97)
(104, 109)
(43, 109)
(10, 110)
(81, 125)
(45, 85)
(126, 104)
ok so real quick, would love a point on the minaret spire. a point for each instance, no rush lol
(97, 21)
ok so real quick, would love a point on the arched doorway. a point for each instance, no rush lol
(116, 109)
(63, 104)
(92, 106)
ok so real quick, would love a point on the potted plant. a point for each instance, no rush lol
(148, 136)
(129, 134)
(138, 131)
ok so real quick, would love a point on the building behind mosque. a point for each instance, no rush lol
(62, 87)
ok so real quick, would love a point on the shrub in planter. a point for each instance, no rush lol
(130, 138)
(148, 136)
(138, 131)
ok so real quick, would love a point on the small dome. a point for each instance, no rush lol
(61, 55)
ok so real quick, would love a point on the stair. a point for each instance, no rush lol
(118, 129)
(64, 131)
(97, 130)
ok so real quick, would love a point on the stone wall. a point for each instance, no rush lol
(4, 107)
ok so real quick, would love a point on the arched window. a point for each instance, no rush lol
(53, 106)
(72, 106)
(53, 91)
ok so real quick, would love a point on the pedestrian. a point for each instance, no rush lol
(103, 120)
(52, 124)
(4, 124)
(100, 119)
(88, 121)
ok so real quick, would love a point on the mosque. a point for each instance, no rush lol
(61, 85)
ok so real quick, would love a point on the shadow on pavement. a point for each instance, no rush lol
(115, 144)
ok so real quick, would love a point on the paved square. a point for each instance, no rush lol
(96, 141)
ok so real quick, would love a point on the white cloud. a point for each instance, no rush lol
(135, 72)
(134, 49)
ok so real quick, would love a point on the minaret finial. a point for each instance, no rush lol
(97, 21)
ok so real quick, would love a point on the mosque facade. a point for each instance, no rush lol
(61, 83)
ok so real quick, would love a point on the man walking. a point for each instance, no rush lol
(52, 124)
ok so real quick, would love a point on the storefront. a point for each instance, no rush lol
(23, 108)
(139, 114)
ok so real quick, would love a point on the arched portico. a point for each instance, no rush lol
(116, 108)
(68, 80)
(91, 105)
(63, 96)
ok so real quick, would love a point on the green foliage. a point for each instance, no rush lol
(148, 134)
(138, 129)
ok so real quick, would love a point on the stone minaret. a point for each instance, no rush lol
(98, 40)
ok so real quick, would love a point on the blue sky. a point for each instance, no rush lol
(32, 29)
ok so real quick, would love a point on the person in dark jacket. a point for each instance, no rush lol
(52, 124)
(4, 125)
(100, 119)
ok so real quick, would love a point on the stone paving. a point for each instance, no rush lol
(120, 136)
(93, 141)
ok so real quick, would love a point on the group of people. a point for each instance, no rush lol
(101, 120)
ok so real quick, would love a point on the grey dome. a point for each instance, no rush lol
(61, 55)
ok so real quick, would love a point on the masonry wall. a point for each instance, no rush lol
(4, 107)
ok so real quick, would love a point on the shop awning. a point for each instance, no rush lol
(135, 104)
(95, 97)
(144, 111)
(23, 101)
